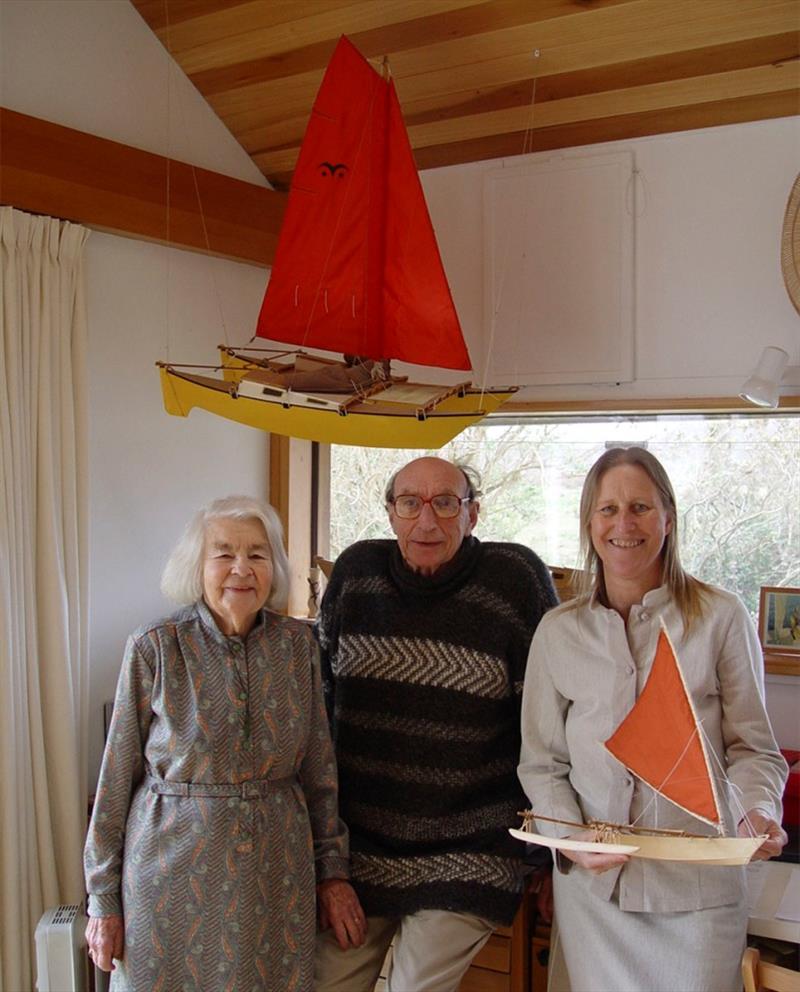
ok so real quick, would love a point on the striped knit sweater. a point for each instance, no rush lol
(423, 679)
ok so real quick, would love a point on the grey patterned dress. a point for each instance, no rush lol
(216, 803)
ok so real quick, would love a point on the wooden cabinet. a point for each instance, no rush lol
(503, 963)
(514, 959)
(540, 958)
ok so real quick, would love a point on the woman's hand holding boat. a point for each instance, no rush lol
(756, 823)
(595, 863)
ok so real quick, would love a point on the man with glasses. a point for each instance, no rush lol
(424, 643)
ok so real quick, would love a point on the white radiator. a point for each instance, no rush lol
(60, 950)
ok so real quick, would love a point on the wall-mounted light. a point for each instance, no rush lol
(763, 386)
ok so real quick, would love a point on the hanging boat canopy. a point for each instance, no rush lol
(357, 268)
(357, 271)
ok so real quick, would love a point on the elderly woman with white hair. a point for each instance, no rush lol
(216, 811)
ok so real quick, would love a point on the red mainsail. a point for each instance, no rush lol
(659, 739)
(357, 268)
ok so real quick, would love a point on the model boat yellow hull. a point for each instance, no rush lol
(656, 847)
(369, 423)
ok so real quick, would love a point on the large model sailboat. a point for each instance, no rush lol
(661, 742)
(357, 270)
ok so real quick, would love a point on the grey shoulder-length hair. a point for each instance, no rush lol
(182, 578)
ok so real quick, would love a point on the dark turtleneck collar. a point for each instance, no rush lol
(451, 576)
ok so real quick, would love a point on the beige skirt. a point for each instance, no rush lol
(596, 947)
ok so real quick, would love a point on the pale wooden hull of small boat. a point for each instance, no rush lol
(658, 847)
(568, 844)
(399, 428)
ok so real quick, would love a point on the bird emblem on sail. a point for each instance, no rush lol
(357, 271)
(661, 742)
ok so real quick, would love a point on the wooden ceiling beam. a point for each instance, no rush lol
(589, 38)
(219, 39)
(630, 126)
(739, 84)
(159, 14)
(638, 125)
(624, 75)
(623, 33)
(716, 59)
(49, 169)
(435, 26)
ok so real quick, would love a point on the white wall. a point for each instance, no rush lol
(783, 706)
(149, 471)
(709, 288)
(94, 65)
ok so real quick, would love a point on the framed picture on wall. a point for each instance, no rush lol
(779, 622)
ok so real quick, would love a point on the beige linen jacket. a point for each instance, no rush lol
(585, 670)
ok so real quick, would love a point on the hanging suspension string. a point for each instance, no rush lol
(167, 314)
(217, 294)
(527, 140)
(736, 791)
(636, 206)
(527, 148)
(193, 168)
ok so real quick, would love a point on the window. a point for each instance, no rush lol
(736, 479)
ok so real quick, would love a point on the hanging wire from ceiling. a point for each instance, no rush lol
(502, 269)
(180, 114)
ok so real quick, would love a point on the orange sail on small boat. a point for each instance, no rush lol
(660, 741)
(357, 270)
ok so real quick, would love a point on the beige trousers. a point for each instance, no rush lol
(432, 950)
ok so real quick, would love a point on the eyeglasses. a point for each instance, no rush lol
(444, 505)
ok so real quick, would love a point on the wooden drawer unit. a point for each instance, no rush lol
(491, 967)
(503, 964)
(540, 956)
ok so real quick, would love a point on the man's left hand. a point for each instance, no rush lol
(756, 823)
(339, 909)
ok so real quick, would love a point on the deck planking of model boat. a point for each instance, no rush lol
(357, 270)
(662, 743)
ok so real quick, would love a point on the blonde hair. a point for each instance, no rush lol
(687, 591)
(182, 578)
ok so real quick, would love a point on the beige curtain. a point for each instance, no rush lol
(43, 556)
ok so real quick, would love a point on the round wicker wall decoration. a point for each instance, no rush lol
(790, 245)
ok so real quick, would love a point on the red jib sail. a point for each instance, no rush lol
(659, 739)
(357, 269)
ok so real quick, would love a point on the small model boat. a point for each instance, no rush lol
(661, 742)
(357, 270)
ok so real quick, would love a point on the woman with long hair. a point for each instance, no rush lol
(627, 924)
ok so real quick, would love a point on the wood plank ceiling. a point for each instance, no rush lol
(469, 81)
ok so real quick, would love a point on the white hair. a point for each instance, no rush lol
(182, 578)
